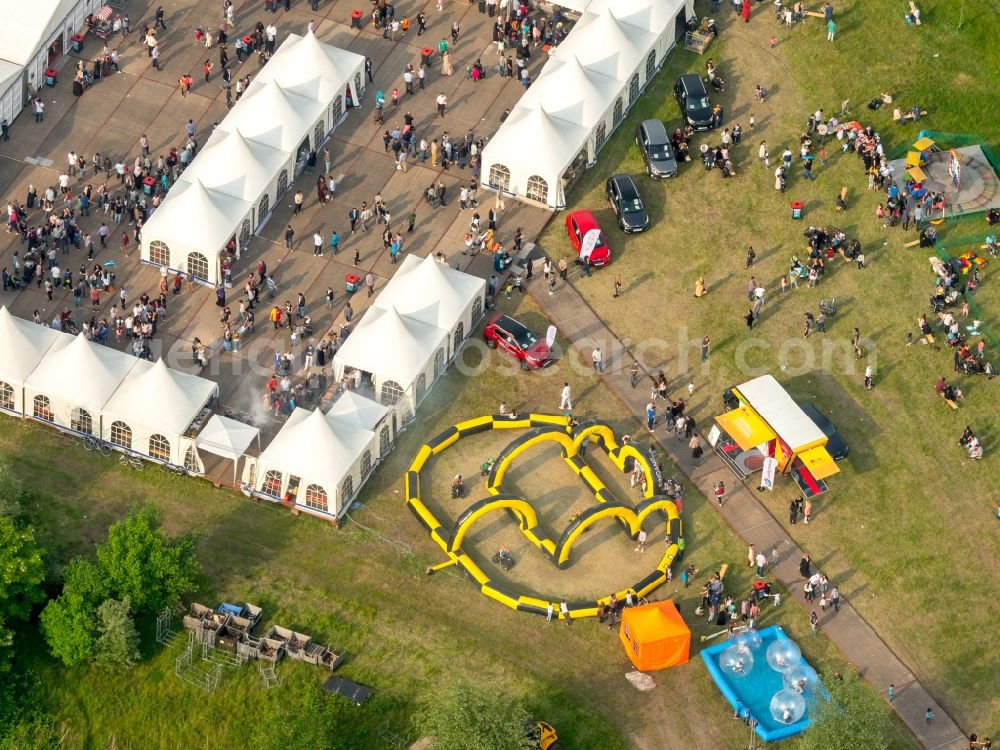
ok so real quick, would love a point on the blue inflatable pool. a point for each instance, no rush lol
(749, 681)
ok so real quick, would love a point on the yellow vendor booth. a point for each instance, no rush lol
(766, 431)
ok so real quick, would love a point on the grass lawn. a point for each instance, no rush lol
(363, 589)
(907, 529)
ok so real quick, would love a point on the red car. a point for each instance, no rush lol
(506, 334)
(578, 224)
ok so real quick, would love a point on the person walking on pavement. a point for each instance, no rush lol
(835, 599)
(289, 236)
(370, 283)
(720, 492)
(650, 415)
(565, 401)
(814, 622)
(597, 356)
(805, 566)
(442, 103)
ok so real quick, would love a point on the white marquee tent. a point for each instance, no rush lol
(318, 462)
(30, 30)
(402, 355)
(153, 407)
(74, 381)
(252, 157)
(581, 96)
(191, 228)
(259, 166)
(228, 438)
(438, 295)
(24, 344)
(317, 71)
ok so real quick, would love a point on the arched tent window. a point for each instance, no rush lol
(619, 111)
(633, 89)
(477, 308)
(650, 65)
(438, 362)
(263, 207)
(316, 498)
(159, 253)
(500, 177)
(391, 392)
(197, 265)
(538, 189)
(421, 387)
(600, 135)
(7, 396)
(272, 483)
(347, 490)
(42, 408)
(384, 440)
(366, 463)
(459, 337)
(319, 132)
(282, 185)
(81, 421)
(338, 110)
(245, 233)
(159, 447)
(121, 434)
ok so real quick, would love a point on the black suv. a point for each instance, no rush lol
(627, 204)
(651, 138)
(693, 98)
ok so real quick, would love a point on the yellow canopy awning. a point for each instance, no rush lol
(923, 144)
(745, 427)
(819, 463)
(913, 158)
(917, 174)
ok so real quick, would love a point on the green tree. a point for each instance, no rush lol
(118, 642)
(854, 718)
(466, 717)
(140, 562)
(69, 623)
(21, 570)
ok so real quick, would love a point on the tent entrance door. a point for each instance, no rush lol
(292, 492)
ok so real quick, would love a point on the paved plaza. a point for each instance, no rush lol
(112, 115)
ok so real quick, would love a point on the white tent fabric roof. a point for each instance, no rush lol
(306, 66)
(652, 15)
(163, 399)
(569, 91)
(269, 114)
(194, 216)
(430, 292)
(357, 411)
(27, 25)
(606, 45)
(81, 372)
(8, 74)
(390, 346)
(226, 437)
(315, 448)
(24, 344)
(231, 164)
(772, 402)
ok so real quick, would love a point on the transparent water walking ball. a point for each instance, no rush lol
(787, 706)
(736, 660)
(783, 654)
(801, 678)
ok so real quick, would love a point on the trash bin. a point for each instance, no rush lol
(271, 5)
(797, 209)
(50, 76)
(149, 185)
(76, 42)
(352, 280)
(356, 16)
(425, 55)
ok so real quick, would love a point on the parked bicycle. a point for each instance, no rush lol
(131, 461)
(92, 443)
(172, 469)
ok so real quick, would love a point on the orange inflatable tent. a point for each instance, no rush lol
(655, 636)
